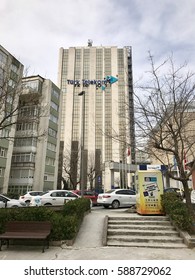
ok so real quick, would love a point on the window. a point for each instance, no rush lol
(52, 132)
(2, 171)
(33, 85)
(51, 147)
(3, 59)
(125, 192)
(54, 106)
(55, 93)
(14, 68)
(24, 174)
(50, 161)
(3, 152)
(53, 118)
(70, 194)
(12, 83)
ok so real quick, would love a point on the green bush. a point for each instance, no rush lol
(75, 208)
(64, 227)
(65, 223)
(177, 210)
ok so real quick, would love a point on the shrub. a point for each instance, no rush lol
(76, 207)
(177, 210)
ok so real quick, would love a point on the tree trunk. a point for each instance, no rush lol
(188, 200)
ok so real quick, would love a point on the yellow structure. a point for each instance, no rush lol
(149, 188)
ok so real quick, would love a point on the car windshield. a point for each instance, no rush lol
(5, 196)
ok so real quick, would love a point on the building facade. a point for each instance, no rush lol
(34, 162)
(11, 71)
(97, 115)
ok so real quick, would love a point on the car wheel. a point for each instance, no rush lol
(106, 206)
(27, 202)
(47, 204)
(14, 206)
(115, 204)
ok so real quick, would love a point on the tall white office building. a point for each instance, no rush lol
(95, 111)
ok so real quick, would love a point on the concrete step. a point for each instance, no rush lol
(145, 239)
(141, 227)
(134, 222)
(142, 232)
(137, 217)
(158, 245)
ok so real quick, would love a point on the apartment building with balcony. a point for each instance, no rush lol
(11, 71)
(34, 162)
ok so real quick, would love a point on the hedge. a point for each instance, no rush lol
(178, 211)
(65, 223)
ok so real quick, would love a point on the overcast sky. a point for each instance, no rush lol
(34, 30)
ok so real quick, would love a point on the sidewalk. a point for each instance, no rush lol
(88, 246)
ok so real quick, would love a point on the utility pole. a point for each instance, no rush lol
(82, 93)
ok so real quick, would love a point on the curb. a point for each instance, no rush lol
(104, 235)
(188, 239)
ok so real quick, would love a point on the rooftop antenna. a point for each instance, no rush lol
(90, 42)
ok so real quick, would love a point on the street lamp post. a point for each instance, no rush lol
(82, 93)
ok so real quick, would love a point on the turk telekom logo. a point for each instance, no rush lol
(98, 83)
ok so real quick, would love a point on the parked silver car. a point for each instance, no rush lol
(117, 198)
(6, 202)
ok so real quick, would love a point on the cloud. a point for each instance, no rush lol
(34, 30)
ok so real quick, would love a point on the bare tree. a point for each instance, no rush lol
(92, 172)
(71, 159)
(165, 119)
(15, 97)
(10, 89)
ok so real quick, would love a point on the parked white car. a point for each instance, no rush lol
(117, 198)
(6, 202)
(53, 197)
(27, 196)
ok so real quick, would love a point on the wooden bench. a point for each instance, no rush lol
(34, 230)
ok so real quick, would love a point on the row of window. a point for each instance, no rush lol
(27, 173)
(22, 173)
(30, 111)
(20, 142)
(24, 157)
(26, 126)
(19, 189)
